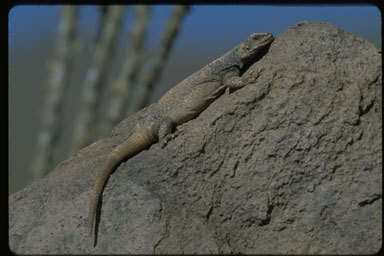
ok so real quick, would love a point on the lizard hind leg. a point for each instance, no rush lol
(165, 132)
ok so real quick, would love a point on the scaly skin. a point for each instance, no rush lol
(180, 104)
(138, 141)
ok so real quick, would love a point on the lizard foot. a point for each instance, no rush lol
(168, 138)
(253, 76)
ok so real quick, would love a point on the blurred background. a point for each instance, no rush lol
(76, 71)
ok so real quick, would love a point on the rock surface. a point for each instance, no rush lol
(290, 164)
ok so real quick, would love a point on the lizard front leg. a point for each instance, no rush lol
(234, 81)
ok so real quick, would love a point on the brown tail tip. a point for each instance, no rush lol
(90, 229)
(91, 218)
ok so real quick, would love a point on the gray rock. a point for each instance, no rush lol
(290, 164)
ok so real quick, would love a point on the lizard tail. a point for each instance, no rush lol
(138, 141)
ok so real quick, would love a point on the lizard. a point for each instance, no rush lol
(183, 102)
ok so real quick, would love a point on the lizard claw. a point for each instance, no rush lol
(163, 143)
(254, 75)
(252, 79)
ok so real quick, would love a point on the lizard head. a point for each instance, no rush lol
(254, 44)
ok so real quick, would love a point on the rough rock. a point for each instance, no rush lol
(290, 164)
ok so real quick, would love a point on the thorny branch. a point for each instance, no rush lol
(152, 76)
(124, 84)
(102, 56)
(52, 116)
